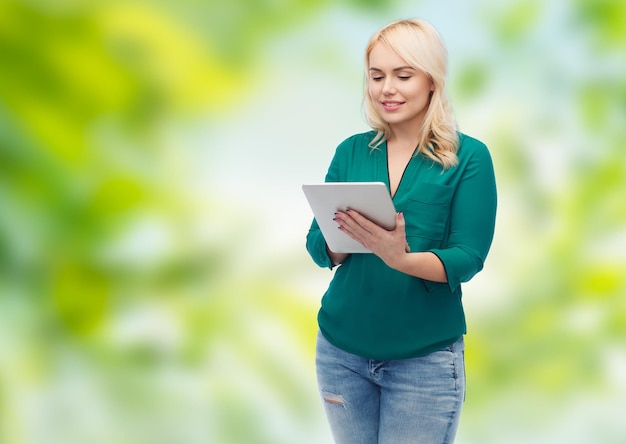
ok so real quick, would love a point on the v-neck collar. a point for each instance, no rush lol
(388, 178)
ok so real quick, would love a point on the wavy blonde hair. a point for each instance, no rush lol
(419, 44)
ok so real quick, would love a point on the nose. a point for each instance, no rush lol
(389, 86)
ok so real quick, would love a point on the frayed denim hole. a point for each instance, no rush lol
(334, 399)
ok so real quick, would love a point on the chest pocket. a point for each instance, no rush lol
(427, 211)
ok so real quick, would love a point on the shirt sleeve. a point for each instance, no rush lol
(315, 242)
(472, 220)
(316, 246)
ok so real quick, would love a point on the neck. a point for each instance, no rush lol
(404, 138)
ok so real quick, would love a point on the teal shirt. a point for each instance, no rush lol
(376, 312)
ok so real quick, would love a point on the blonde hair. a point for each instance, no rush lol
(421, 46)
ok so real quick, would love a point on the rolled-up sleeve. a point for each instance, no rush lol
(316, 246)
(472, 220)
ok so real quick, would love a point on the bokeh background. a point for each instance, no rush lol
(154, 286)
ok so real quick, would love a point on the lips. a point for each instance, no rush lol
(391, 105)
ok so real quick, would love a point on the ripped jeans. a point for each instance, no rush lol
(404, 401)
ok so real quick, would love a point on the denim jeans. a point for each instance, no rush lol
(415, 400)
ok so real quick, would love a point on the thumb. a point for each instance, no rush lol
(400, 222)
(400, 225)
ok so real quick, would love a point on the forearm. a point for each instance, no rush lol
(423, 265)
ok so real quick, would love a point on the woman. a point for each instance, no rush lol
(390, 351)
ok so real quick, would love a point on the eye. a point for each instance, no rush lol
(404, 78)
(377, 78)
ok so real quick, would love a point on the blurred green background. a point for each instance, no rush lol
(154, 286)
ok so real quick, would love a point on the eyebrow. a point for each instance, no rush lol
(400, 68)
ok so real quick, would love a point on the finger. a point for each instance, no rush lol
(362, 221)
(355, 232)
(352, 221)
(348, 225)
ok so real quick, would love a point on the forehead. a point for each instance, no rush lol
(383, 57)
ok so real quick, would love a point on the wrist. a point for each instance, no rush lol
(400, 262)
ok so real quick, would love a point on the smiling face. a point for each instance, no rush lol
(400, 94)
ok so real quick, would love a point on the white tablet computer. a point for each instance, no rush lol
(371, 199)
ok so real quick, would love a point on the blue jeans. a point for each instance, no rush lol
(403, 401)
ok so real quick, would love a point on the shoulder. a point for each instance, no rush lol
(357, 141)
(469, 143)
(470, 147)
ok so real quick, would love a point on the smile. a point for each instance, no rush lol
(390, 105)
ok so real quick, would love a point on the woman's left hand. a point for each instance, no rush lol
(390, 245)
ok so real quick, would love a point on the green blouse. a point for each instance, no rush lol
(376, 312)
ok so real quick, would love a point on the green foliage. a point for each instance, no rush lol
(516, 21)
(127, 309)
(606, 19)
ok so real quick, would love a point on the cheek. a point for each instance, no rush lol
(373, 90)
